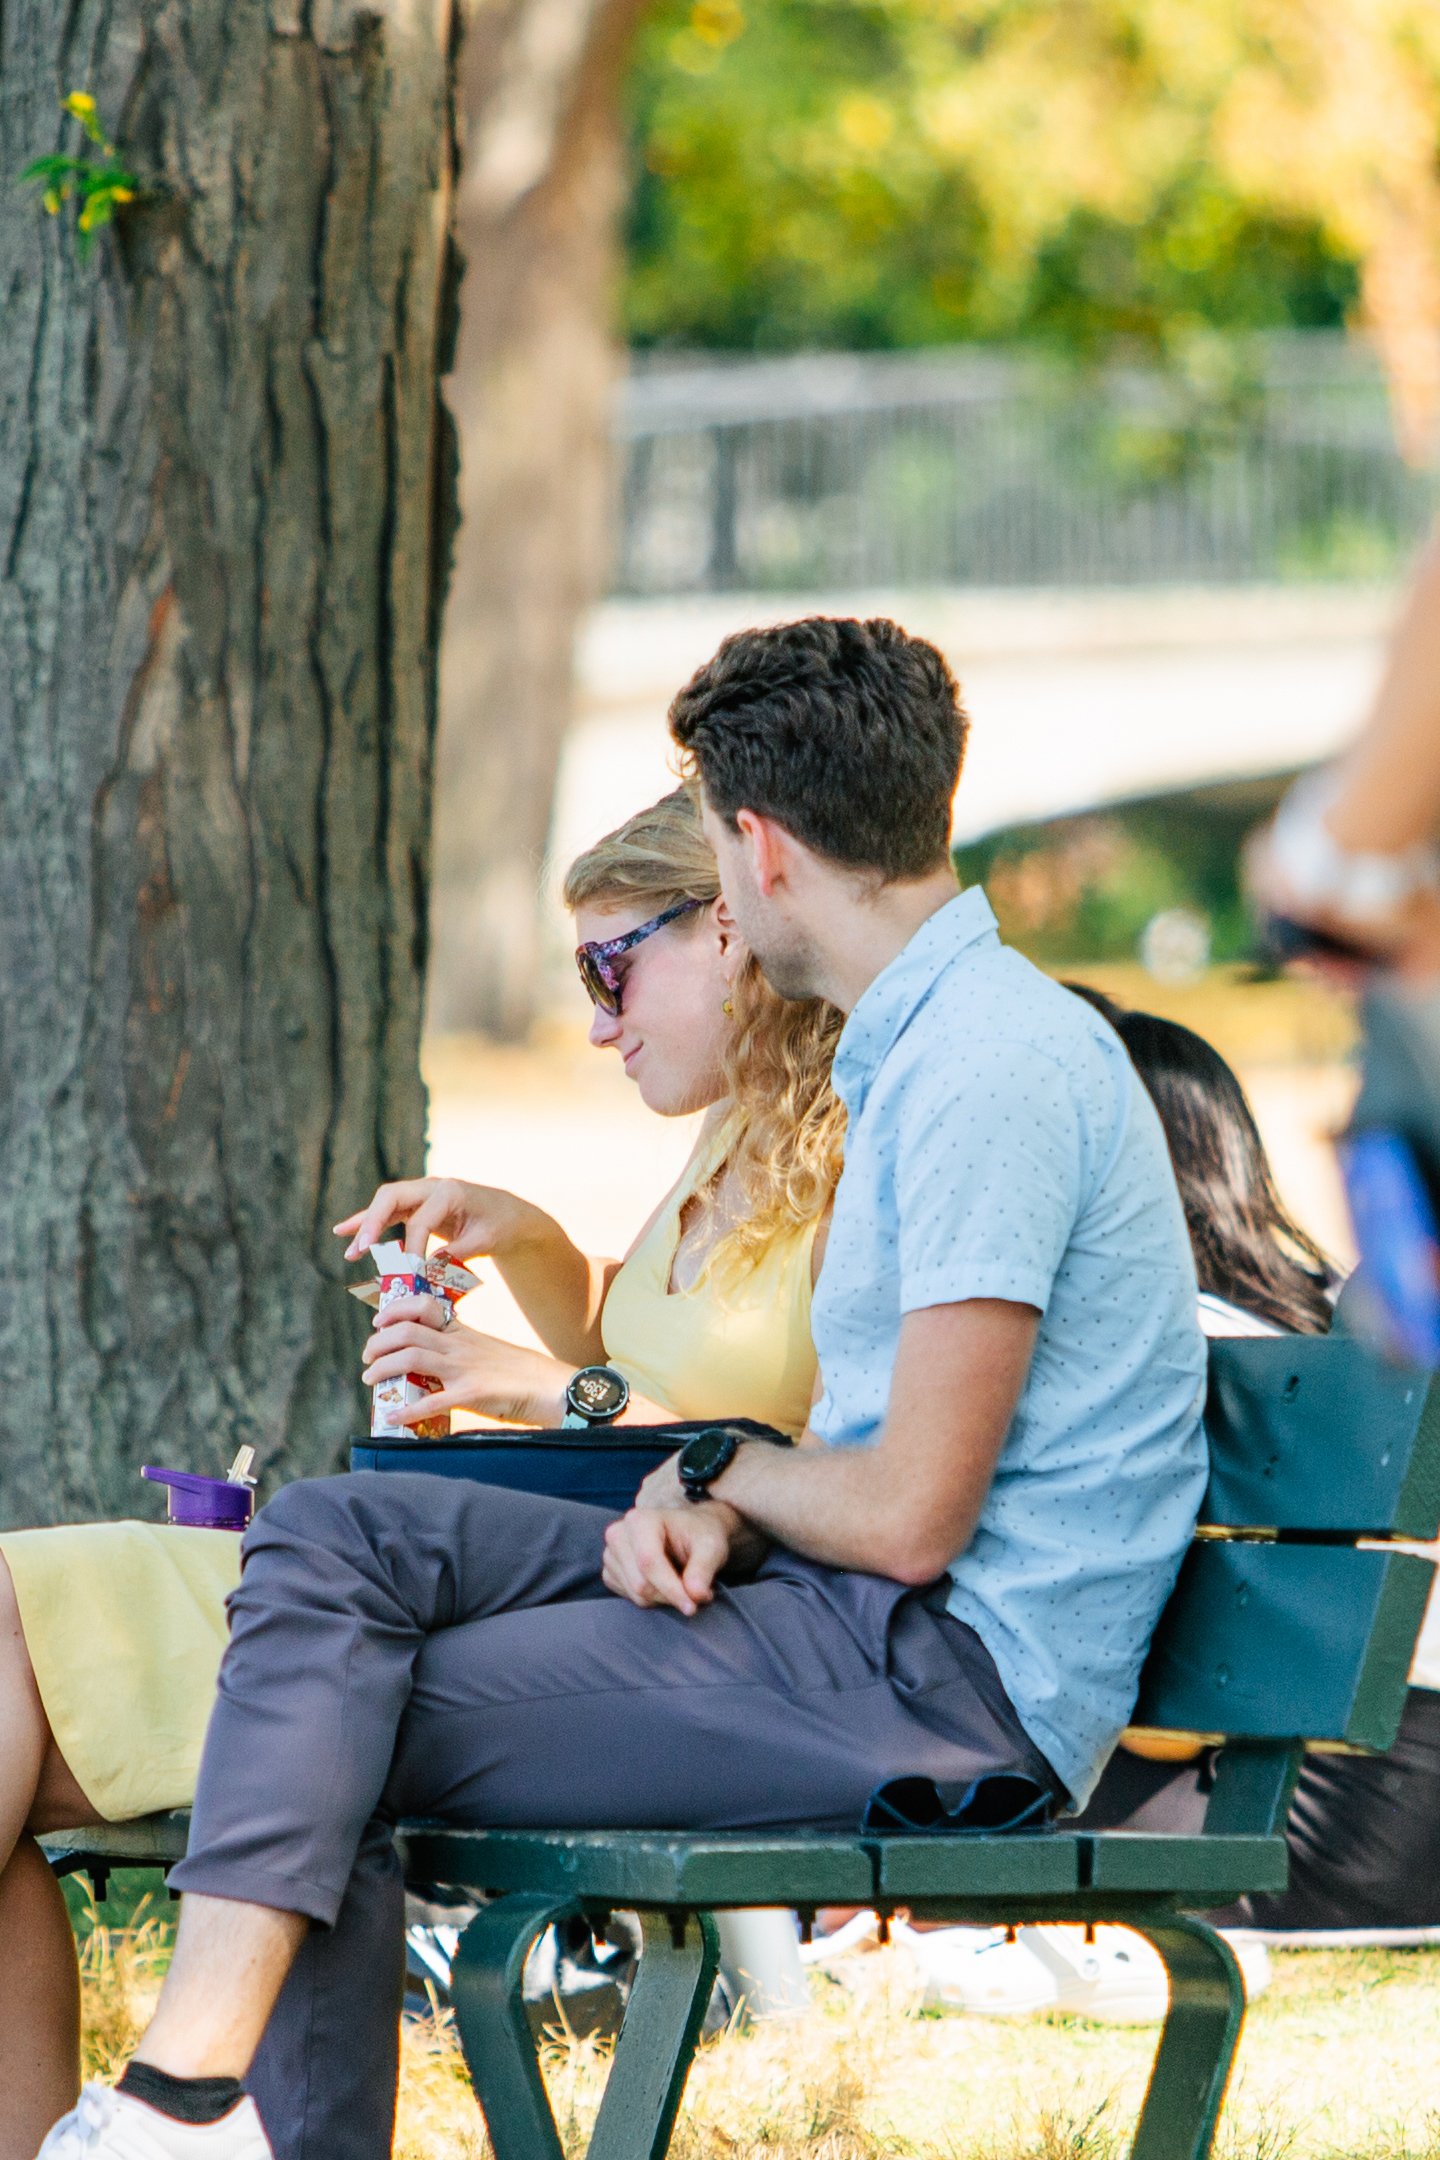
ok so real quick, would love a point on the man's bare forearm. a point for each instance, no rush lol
(836, 1505)
(907, 1506)
(1390, 791)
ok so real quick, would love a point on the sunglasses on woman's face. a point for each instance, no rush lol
(603, 980)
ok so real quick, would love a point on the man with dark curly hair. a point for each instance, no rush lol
(952, 1578)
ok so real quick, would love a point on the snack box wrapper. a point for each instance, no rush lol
(403, 1274)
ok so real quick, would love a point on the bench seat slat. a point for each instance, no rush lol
(649, 1867)
(1026, 1865)
(149, 1841)
(1201, 1871)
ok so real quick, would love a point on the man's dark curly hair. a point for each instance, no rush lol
(849, 734)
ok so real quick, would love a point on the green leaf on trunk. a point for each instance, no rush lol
(98, 185)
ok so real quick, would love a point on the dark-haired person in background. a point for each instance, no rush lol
(954, 1576)
(1364, 1831)
(1259, 1272)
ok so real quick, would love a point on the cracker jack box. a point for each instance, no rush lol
(405, 1274)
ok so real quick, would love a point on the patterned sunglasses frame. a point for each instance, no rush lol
(596, 961)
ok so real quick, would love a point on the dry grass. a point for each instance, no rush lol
(1337, 2063)
(120, 1973)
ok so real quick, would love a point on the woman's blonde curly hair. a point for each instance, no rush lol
(784, 1135)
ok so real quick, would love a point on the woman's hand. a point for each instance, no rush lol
(672, 1557)
(468, 1219)
(476, 1372)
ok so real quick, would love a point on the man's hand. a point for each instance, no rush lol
(662, 1489)
(669, 1556)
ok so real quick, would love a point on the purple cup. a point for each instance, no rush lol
(203, 1503)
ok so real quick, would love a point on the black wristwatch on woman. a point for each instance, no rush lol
(596, 1395)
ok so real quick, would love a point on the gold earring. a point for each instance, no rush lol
(728, 1008)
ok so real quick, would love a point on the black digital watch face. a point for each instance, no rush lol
(597, 1392)
(709, 1452)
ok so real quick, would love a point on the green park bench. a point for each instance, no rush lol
(1291, 1625)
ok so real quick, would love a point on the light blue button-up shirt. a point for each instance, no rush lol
(1001, 1146)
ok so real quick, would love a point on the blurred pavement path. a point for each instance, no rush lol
(1076, 698)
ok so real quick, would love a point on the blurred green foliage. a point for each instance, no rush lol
(879, 173)
(1082, 889)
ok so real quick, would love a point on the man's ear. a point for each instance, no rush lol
(771, 848)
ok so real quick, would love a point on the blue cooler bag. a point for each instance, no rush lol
(604, 1467)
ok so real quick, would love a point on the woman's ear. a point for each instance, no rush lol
(732, 946)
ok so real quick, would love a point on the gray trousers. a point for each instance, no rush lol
(422, 1646)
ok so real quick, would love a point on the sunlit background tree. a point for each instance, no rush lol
(1091, 180)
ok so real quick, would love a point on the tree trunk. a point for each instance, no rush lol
(223, 519)
(538, 216)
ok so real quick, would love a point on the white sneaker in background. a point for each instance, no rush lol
(860, 1932)
(1115, 1977)
(980, 1970)
(1253, 1959)
(109, 2125)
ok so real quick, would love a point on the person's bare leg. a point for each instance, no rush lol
(40, 1988)
(224, 1980)
(230, 1959)
(39, 1977)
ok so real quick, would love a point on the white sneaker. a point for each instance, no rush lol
(1253, 1959)
(860, 1932)
(1116, 1977)
(109, 2125)
(948, 1959)
(980, 1970)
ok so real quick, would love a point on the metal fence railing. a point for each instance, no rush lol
(1275, 460)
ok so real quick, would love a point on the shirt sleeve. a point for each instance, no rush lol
(989, 1174)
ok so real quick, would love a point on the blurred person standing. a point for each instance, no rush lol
(1349, 877)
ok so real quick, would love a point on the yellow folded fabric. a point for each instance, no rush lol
(125, 1625)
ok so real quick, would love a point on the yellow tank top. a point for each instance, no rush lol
(737, 1344)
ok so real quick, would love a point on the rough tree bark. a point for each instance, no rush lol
(539, 209)
(222, 527)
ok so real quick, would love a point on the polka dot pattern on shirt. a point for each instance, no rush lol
(1000, 1146)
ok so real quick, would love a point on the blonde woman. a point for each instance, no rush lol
(111, 1634)
(710, 1313)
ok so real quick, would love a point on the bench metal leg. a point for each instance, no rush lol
(1197, 2041)
(663, 2019)
(486, 1989)
(657, 2042)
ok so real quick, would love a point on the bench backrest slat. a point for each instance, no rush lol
(1318, 1434)
(1270, 1642)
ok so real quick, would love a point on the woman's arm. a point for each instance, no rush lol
(560, 1290)
(477, 1372)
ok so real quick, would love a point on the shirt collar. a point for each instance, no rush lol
(892, 998)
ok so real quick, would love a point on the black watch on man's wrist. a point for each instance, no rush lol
(703, 1459)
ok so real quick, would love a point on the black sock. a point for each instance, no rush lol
(187, 2100)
